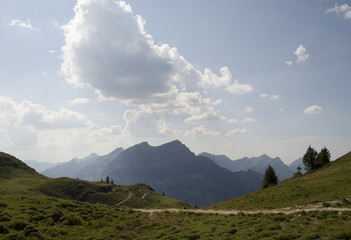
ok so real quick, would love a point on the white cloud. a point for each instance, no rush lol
(344, 10)
(301, 54)
(238, 131)
(289, 63)
(45, 75)
(200, 131)
(313, 109)
(77, 101)
(121, 61)
(36, 116)
(33, 131)
(211, 79)
(202, 117)
(146, 124)
(23, 24)
(245, 120)
(249, 109)
(275, 97)
(239, 88)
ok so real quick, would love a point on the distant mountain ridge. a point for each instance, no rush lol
(40, 166)
(297, 163)
(73, 167)
(170, 168)
(257, 164)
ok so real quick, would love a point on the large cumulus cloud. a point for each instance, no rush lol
(107, 48)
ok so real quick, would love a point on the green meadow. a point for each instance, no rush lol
(35, 207)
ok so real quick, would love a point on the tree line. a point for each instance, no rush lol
(312, 160)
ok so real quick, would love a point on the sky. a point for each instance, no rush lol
(239, 78)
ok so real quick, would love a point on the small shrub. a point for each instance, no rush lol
(325, 204)
(286, 237)
(344, 201)
(3, 229)
(323, 215)
(72, 220)
(5, 219)
(30, 229)
(56, 214)
(341, 235)
(279, 218)
(18, 225)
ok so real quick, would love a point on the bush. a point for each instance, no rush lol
(72, 220)
(341, 235)
(18, 225)
(56, 214)
(3, 229)
(5, 219)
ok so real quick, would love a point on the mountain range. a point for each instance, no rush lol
(257, 164)
(170, 168)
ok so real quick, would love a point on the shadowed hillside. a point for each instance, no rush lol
(17, 178)
(330, 183)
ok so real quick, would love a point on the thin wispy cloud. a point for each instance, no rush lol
(238, 131)
(301, 54)
(249, 109)
(23, 24)
(313, 109)
(200, 131)
(289, 63)
(78, 101)
(341, 10)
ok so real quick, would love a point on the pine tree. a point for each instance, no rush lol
(310, 159)
(270, 178)
(112, 182)
(323, 157)
(298, 171)
(107, 179)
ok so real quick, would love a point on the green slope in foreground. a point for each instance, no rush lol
(27, 212)
(17, 178)
(332, 183)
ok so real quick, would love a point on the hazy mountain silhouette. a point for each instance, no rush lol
(258, 164)
(171, 169)
(40, 166)
(298, 162)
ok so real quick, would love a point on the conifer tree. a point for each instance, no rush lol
(310, 159)
(298, 171)
(107, 179)
(270, 178)
(323, 157)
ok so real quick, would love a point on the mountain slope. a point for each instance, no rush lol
(257, 164)
(297, 163)
(77, 167)
(16, 178)
(173, 169)
(332, 182)
(39, 166)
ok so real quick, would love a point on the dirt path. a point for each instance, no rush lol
(130, 194)
(230, 212)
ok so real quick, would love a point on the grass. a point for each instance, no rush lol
(36, 207)
(17, 178)
(55, 218)
(333, 182)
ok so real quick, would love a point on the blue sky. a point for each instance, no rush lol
(240, 78)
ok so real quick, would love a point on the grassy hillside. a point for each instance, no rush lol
(17, 178)
(36, 207)
(331, 183)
